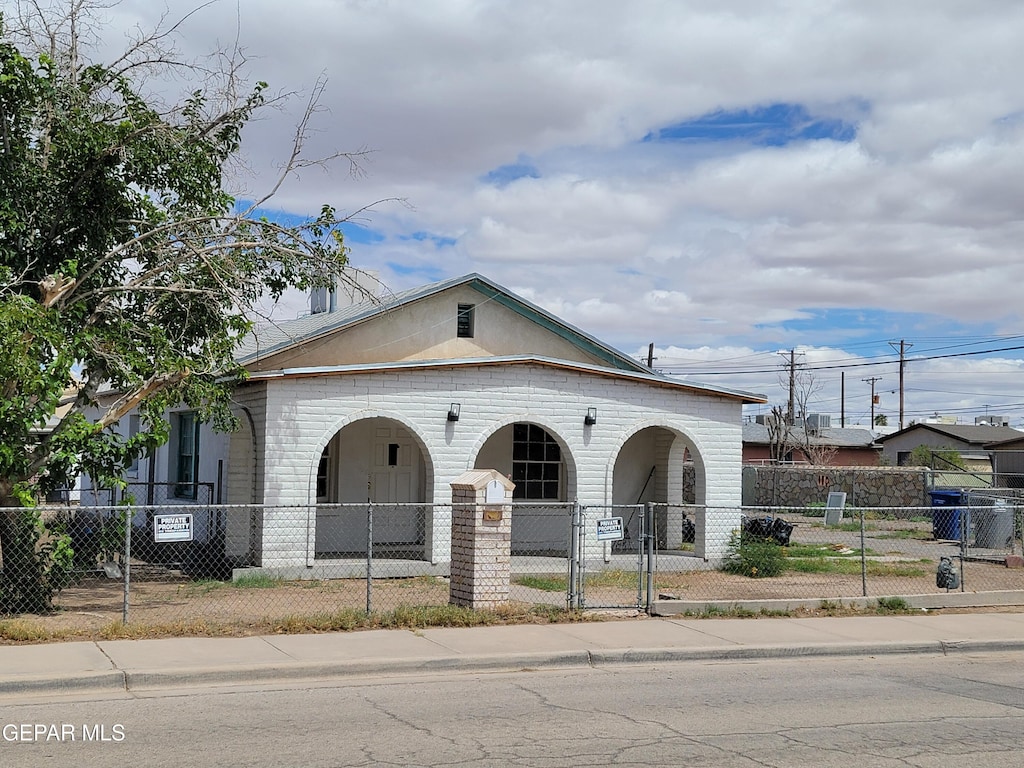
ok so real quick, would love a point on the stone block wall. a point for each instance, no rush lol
(801, 486)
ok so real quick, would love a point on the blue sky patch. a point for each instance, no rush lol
(439, 241)
(354, 233)
(867, 332)
(770, 126)
(504, 175)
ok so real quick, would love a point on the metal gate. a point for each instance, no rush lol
(609, 556)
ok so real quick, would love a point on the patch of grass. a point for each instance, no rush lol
(754, 557)
(735, 612)
(418, 581)
(852, 526)
(19, 630)
(24, 631)
(831, 607)
(544, 583)
(905, 533)
(117, 630)
(887, 605)
(612, 578)
(820, 550)
(201, 587)
(256, 581)
(849, 567)
(555, 583)
(249, 581)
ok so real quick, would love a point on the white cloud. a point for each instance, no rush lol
(691, 243)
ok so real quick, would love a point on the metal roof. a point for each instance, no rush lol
(649, 377)
(848, 437)
(976, 435)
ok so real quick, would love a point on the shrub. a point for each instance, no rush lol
(37, 564)
(753, 556)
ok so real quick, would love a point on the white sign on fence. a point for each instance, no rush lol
(172, 527)
(609, 529)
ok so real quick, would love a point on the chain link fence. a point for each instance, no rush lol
(778, 553)
(237, 565)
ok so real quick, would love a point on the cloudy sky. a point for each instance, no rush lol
(727, 180)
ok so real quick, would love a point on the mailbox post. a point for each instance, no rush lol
(481, 539)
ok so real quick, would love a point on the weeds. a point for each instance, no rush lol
(754, 557)
(544, 583)
(886, 605)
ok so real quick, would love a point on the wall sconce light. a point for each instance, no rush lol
(591, 418)
(453, 412)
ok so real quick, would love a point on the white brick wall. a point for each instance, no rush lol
(303, 413)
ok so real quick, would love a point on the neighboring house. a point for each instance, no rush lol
(1008, 461)
(390, 400)
(845, 447)
(970, 441)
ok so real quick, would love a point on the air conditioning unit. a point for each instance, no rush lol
(818, 421)
(991, 421)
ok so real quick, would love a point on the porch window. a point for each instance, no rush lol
(536, 464)
(188, 456)
(323, 476)
(134, 427)
(465, 321)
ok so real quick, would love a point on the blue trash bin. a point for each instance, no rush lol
(947, 516)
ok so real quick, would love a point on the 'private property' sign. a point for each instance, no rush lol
(609, 529)
(172, 527)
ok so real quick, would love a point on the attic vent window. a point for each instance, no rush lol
(465, 321)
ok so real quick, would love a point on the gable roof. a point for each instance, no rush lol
(973, 435)
(270, 340)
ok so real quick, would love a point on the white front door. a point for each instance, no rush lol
(394, 479)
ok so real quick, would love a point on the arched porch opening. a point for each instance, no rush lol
(538, 461)
(660, 465)
(374, 460)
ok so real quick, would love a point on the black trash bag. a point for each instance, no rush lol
(946, 576)
(758, 527)
(689, 531)
(781, 531)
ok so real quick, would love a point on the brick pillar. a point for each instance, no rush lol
(481, 539)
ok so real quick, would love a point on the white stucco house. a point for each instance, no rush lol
(390, 400)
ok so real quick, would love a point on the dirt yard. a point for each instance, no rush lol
(902, 560)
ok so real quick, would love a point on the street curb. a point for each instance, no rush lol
(676, 608)
(82, 682)
(297, 672)
(304, 671)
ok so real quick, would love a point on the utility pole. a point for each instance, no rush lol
(874, 397)
(792, 385)
(650, 355)
(903, 348)
(842, 399)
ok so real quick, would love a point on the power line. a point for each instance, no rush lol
(918, 359)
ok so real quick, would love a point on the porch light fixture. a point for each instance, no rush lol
(591, 418)
(453, 412)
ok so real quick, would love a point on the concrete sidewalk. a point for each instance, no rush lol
(140, 665)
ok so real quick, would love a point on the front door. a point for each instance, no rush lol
(395, 479)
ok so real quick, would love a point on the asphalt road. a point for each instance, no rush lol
(816, 712)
